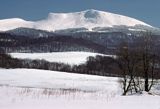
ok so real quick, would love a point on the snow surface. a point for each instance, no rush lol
(40, 89)
(85, 19)
(9, 24)
(71, 58)
(55, 80)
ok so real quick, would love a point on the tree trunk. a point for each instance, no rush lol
(146, 83)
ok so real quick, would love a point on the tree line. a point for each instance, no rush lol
(57, 43)
(98, 65)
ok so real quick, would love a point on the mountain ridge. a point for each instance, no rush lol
(84, 19)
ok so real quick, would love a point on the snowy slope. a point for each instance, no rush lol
(40, 89)
(71, 58)
(9, 24)
(84, 19)
(56, 80)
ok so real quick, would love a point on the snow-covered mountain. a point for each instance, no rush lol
(88, 19)
(13, 23)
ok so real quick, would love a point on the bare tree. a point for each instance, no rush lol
(149, 60)
(127, 60)
(137, 62)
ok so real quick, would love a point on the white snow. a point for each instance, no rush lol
(56, 80)
(9, 24)
(71, 58)
(40, 89)
(84, 19)
(136, 30)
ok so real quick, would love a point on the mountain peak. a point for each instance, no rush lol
(91, 14)
(88, 19)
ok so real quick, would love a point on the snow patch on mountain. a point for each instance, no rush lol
(85, 19)
(13, 23)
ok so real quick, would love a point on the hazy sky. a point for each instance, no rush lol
(145, 10)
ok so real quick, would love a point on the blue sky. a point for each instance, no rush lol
(145, 10)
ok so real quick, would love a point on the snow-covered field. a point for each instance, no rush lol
(56, 80)
(63, 57)
(42, 89)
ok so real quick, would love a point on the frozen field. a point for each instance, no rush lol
(41, 89)
(56, 80)
(63, 57)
